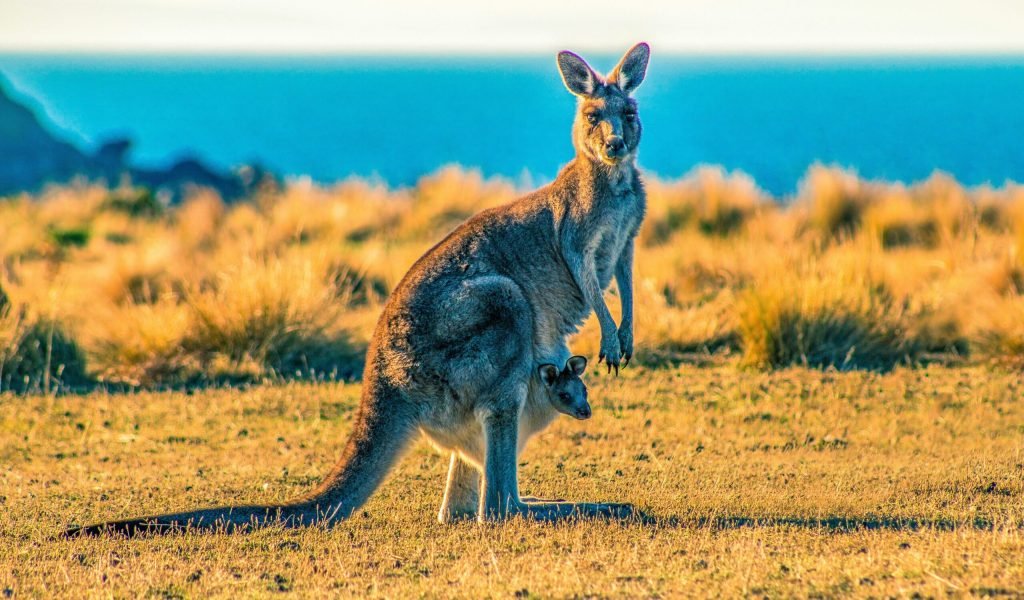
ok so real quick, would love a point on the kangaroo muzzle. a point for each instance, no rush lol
(583, 412)
(614, 147)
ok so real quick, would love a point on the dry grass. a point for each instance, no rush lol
(835, 320)
(848, 274)
(708, 200)
(791, 483)
(999, 334)
(36, 353)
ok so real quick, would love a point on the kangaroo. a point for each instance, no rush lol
(454, 352)
(565, 390)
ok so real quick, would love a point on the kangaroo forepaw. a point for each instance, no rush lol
(611, 353)
(625, 335)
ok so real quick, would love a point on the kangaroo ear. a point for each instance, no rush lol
(577, 364)
(630, 71)
(577, 74)
(548, 374)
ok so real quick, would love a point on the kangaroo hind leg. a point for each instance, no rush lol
(499, 415)
(461, 492)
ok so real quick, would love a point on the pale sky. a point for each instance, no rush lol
(526, 26)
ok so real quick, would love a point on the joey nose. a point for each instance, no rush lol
(583, 412)
(614, 146)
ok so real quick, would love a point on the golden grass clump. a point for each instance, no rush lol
(199, 218)
(998, 333)
(832, 320)
(36, 353)
(692, 332)
(444, 199)
(710, 200)
(10, 332)
(896, 220)
(935, 211)
(270, 316)
(142, 345)
(832, 202)
(949, 207)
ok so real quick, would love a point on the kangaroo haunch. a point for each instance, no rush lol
(456, 352)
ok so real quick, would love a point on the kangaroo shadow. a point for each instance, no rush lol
(839, 524)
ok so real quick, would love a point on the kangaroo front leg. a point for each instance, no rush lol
(585, 274)
(461, 492)
(624, 280)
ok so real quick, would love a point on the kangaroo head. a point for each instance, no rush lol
(607, 127)
(566, 391)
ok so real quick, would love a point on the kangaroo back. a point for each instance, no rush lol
(383, 429)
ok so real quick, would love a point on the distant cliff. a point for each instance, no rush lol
(31, 157)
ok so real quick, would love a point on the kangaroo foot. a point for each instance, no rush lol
(559, 511)
(535, 500)
(581, 510)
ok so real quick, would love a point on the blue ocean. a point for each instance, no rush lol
(398, 118)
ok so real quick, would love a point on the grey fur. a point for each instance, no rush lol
(455, 350)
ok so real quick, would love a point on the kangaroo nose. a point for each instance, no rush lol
(614, 146)
(584, 412)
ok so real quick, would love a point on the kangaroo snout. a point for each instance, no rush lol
(614, 147)
(583, 412)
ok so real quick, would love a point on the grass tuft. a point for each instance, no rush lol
(270, 317)
(37, 355)
(709, 200)
(833, 202)
(822, 321)
(999, 338)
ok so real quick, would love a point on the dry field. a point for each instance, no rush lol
(792, 483)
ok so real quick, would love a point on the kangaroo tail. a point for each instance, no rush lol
(384, 427)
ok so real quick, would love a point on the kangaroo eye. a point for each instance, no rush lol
(592, 119)
(630, 116)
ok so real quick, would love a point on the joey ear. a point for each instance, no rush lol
(548, 374)
(577, 74)
(630, 71)
(577, 364)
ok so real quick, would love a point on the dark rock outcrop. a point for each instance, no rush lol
(29, 154)
(31, 157)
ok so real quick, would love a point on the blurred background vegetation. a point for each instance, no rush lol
(110, 286)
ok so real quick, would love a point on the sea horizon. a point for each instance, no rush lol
(396, 117)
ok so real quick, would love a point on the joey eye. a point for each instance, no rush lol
(592, 119)
(630, 117)
(564, 397)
